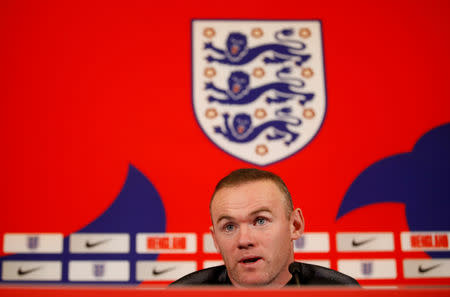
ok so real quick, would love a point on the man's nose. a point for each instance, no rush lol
(245, 239)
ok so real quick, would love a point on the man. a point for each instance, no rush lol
(254, 225)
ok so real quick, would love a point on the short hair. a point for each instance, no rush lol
(245, 175)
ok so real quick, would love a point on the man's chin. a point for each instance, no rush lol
(251, 281)
(252, 285)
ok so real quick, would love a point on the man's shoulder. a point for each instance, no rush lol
(216, 275)
(317, 275)
(309, 275)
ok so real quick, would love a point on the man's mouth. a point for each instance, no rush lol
(250, 260)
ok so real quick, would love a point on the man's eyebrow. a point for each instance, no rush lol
(257, 211)
(224, 217)
(262, 209)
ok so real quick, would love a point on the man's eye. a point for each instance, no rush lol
(260, 221)
(229, 228)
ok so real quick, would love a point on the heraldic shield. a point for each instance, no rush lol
(258, 87)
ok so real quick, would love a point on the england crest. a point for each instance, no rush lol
(32, 242)
(258, 87)
(99, 270)
(367, 268)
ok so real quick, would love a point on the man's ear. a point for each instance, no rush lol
(211, 229)
(297, 224)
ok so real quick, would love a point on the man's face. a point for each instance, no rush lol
(253, 233)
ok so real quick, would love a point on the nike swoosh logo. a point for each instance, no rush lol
(94, 244)
(158, 272)
(25, 272)
(424, 270)
(362, 242)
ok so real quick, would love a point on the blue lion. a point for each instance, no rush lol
(242, 130)
(239, 92)
(237, 51)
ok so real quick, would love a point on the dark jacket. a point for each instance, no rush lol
(308, 275)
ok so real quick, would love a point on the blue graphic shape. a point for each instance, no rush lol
(240, 93)
(237, 51)
(419, 179)
(137, 209)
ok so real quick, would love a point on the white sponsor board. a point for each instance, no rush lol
(36, 243)
(365, 242)
(425, 241)
(99, 271)
(208, 244)
(89, 243)
(166, 243)
(369, 268)
(31, 270)
(313, 242)
(426, 268)
(323, 263)
(212, 263)
(163, 270)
